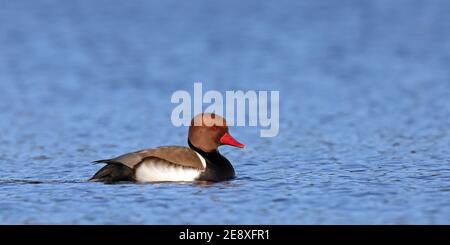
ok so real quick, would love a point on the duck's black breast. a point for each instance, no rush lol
(218, 167)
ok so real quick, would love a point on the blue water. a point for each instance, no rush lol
(364, 109)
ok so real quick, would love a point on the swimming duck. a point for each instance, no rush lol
(201, 161)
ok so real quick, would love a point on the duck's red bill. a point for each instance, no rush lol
(227, 139)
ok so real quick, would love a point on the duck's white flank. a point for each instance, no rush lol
(154, 170)
(201, 159)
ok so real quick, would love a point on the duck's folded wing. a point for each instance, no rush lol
(177, 155)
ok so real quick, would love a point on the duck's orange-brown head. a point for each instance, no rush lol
(208, 131)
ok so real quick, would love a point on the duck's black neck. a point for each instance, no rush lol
(218, 167)
(203, 153)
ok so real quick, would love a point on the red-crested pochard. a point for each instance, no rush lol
(200, 161)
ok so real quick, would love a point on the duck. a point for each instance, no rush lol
(200, 161)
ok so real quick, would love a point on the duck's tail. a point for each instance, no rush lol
(112, 172)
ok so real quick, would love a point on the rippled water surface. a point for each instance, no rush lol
(364, 109)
